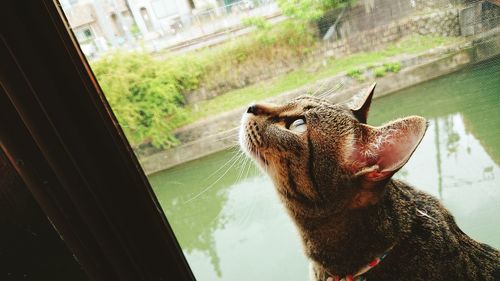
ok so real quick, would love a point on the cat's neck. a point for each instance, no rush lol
(342, 242)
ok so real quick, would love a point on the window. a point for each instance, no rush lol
(168, 97)
(224, 212)
(146, 18)
(87, 33)
(83, 34)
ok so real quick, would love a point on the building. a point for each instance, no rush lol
(102, 24)
(157, 24)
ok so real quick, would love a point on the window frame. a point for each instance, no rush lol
(63, 139)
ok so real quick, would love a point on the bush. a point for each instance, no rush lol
(356, 74)
(379, 71)
(145, 96)
(309, 10)
(392, 67)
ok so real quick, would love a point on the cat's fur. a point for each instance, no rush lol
(334, 179)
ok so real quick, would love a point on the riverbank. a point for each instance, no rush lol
(220, 132)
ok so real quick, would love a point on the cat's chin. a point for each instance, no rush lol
(242, 138)
(248, 147)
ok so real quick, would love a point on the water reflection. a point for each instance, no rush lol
(231, 225)
(463, 174)
(228, 226)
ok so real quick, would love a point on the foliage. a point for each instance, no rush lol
(356, 74)
(134, 29)
(259, 22)
(308, 10)
(393, 67)
(144, 94)
(262, 34)
(379, 71)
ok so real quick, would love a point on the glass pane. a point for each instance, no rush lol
(180, 74)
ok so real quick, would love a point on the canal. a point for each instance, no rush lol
(232, 227)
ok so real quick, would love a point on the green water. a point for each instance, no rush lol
(232, 227)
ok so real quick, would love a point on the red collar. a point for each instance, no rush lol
(358, 276)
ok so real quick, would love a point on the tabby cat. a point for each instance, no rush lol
(333, 173)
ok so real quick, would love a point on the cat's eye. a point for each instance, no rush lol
(298, 126)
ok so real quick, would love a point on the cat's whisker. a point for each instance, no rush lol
(242, 167)
(235, 155)
(226, 131)
(248, 168)
(241, 157)
(211, 185)
(328, 92)
(234, 145)
(319, 88)
(230, 136)
(331, 91)
(222, 134)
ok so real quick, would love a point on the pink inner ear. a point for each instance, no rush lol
(396, 148)
(388, 148)
(377, 176)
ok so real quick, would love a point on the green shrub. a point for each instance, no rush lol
(379, 71)
(259, 22)
(262, 29)
(356, 74)
(309, 10)
(145, 96)
(392, 67)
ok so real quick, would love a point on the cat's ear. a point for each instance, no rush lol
(360, 103)
(382, 151)
(379, 152)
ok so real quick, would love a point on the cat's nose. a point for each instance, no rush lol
(252, 109)
(263, 109)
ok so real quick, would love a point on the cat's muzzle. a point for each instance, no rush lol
(250, 137)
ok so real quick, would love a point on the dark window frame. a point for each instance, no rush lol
(60, 134)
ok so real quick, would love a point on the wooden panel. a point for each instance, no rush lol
(65, 144)
(30, 248)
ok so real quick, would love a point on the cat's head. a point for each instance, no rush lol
(315, 150)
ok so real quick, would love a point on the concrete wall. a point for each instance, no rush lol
(443, 23)
(368, 14)
(219, 133)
